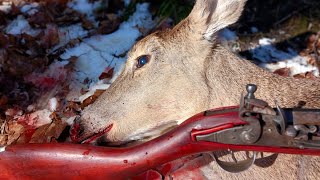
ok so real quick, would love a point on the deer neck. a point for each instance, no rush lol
(227, 75)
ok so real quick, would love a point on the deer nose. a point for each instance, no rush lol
(80, 134)
(76, 131)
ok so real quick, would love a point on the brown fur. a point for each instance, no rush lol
(189, 72)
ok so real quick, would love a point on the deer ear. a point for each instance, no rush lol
(209, 16)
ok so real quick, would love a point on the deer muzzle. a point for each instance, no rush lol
(80, 134)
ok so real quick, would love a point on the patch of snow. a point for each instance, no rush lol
(229, 39)
(2, 149)
(31, 108)
(142, 18)
(266, 41)
(41, 117)
(37, 118)
(30, 9)
(269, 53)
(228, 35)
(68, 33)
(85, 7)
(72, 32)
(13, 112)
(55, 69)
(98, 52)
(21, 25)
(5, 7)
(93, 89)
(70, 121)
(296, 64)
(53, 104)
(48, 79)
(272, 59)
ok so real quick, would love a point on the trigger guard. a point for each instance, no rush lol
(235, 167)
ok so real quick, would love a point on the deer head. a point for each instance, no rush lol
(174, 74)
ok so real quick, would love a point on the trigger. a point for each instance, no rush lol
(236, 166)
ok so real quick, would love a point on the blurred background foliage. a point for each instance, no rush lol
(264, 15)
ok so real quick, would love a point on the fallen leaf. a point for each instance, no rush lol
(307, 75)
(107, 74)
(15, 131)
(49, 132)
(40, 18)
(3, 139)
(51, 36)
(71, 109)
(87, 24)
(283, 72)
(310, 75)
(300, 76)
(92, 99)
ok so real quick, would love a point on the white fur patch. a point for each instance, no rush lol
(152, 132)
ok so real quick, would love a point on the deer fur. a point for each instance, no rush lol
(189, 72)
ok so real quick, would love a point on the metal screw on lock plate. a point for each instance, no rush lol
(251, 89)
(248, 137)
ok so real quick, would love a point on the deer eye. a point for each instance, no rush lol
(142, 60)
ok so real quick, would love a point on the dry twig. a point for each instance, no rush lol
(316, 50)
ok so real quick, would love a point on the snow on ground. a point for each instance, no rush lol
(95, 54)
(228, 35)
(229, 39)
(271, 58)
(85, 7)
(5, 7)
(36, 119)
(21, 25)
(68, 33)
(30, 9)
(49, 78)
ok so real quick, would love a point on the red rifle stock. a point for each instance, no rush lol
(74, 161)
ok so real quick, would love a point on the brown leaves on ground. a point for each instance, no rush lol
(285, 72)
(50, 36)
(92, 99)
(48, 133)
(15, 133)
(105, 76)
(312, 52)
(109, 25)
(307, 75)
(26, 81)
(10, 132)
